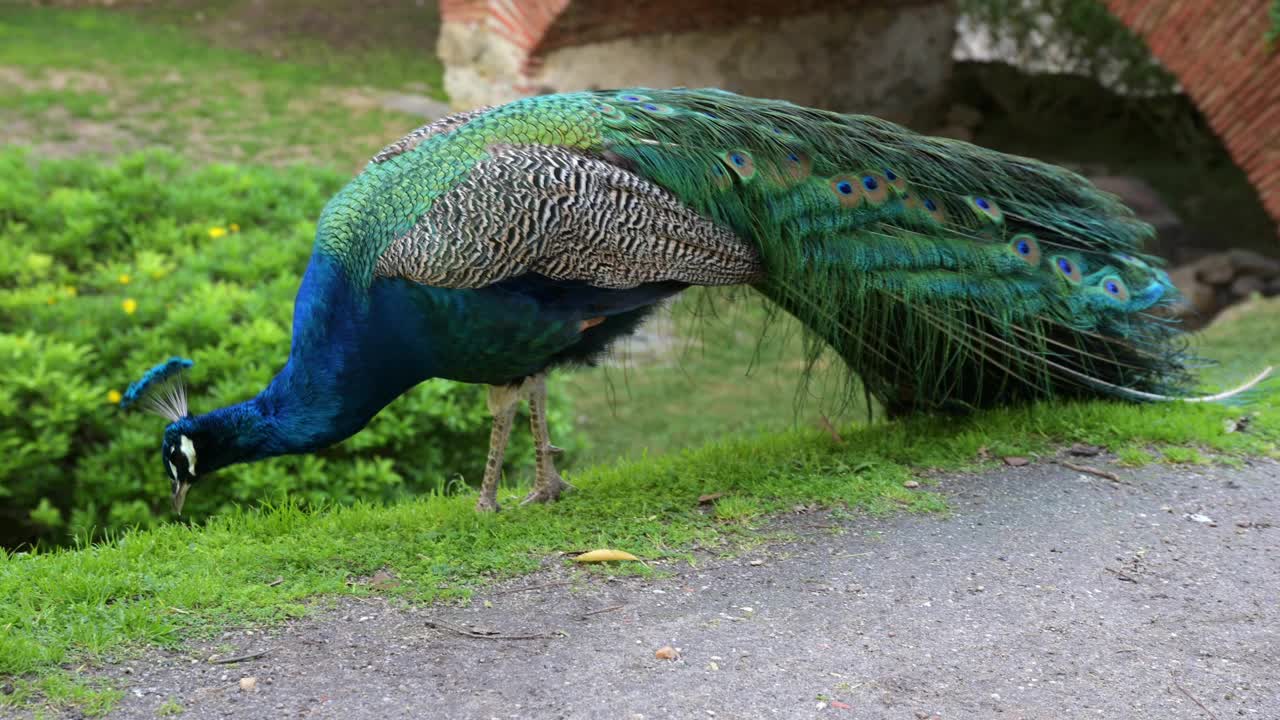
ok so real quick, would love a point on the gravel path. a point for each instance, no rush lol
(1044, 594)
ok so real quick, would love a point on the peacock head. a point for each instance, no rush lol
(162, 391)
(179, 454)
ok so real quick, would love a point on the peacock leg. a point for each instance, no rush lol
(502, 405)
(548, 485)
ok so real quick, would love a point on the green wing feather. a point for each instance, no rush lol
(943, 273)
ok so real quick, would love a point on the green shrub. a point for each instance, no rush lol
(108, 269)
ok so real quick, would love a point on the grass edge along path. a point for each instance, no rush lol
(97, 604)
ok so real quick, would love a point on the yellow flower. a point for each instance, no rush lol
(114, 396)
(130, 306)
(124, 279)
(69, 291)
(234, 227)
(217, 232)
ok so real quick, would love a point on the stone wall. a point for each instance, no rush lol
(1216, 49)
(874, 56)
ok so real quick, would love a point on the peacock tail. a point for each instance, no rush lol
(944, 274)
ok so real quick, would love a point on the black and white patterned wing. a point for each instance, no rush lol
(568, 216)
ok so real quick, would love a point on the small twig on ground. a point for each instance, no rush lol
(1193, 699)
(534, 587)
(441, 625)
(611, 608)
(275, 582)
(1091, 470)
(826, 425)
(239, 658)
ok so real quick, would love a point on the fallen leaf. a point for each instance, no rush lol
(840, 705)
(1016, 461)
(666, 652)
(984, 453)
(709, 498)
(248, 684)
(911, 484)
(1197, 517)
(605, 555)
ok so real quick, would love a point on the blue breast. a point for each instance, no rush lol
(357, 349)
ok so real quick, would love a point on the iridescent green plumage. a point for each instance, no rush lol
(945, 274)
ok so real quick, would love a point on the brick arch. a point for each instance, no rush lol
(496, 50)
(1216, 50)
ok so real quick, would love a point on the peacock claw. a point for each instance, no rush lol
(487, 505)
(547, 490)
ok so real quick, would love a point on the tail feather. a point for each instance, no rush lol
(944, 274)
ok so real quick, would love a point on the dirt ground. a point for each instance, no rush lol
(1045, 594)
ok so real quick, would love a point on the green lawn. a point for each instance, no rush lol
(707, 368)
(76, 82)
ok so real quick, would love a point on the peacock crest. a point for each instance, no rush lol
(161, 391)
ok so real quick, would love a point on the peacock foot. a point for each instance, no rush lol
(547, 489)
(487, 504)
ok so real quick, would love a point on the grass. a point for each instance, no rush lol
(98, 82)
(718, 367)
(158, 587)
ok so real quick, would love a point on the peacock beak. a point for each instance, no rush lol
(180, 489)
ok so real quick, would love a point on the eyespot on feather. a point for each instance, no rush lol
(875, 187)
(1068, 269)
(610, 114)
(1115, 288)
(657, 108)
(632, 98)
(985, 207)
(896, 181)
(848, 190)
(935, 209)
(1026, 248)
(741, 163)
(720, 177)
(780, 134)
(792, 168)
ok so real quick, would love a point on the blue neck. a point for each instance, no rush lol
(346, 363)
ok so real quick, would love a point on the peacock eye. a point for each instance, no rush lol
(1068, 269)
(1116, 288)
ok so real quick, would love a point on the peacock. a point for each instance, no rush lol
(496, 245)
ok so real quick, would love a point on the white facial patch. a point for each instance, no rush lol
(188, 448)
(173, 469)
